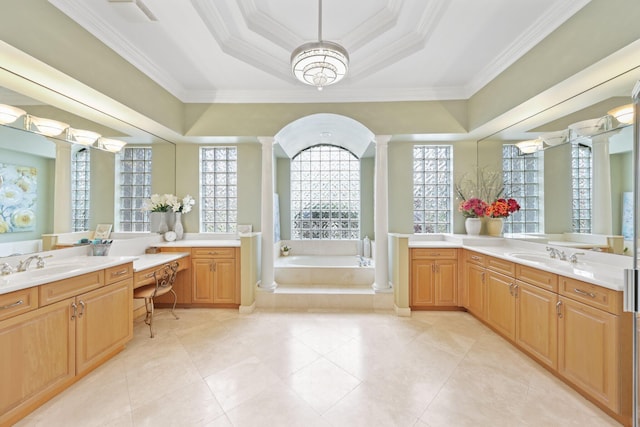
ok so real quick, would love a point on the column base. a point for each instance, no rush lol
(271, 288)
(382, 290)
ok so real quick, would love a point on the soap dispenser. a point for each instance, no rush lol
(366, 247)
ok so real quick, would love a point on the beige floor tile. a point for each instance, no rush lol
(322, 384)
(191, 405)
(321, 367)
(241, 382)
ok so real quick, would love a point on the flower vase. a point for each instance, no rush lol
(157, 222)
(177, 226)
(171, 219)
(494, 226)
(473, 226)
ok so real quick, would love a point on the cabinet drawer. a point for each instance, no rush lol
(184, 263)
(476, 258)
(213, 252)
(501, 266)
(533, 276)
(68, 288)
(18, 302)
(145, 277)
(434, 253)
(593, 295)
(117, 273)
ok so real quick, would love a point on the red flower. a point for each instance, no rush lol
(502, 208)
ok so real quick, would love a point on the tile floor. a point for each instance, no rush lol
(219, 368)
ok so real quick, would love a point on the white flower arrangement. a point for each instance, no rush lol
(168, 203)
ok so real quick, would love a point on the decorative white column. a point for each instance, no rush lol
(267, 281)
(62, 188)
(381, 212)
(601, 204)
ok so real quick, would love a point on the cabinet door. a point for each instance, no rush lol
(202, 281)
(37, 354)
(501, 304)
(588, 350)
(446, 282)
(476, 290)
(422, 283)
(225, 283)
(537, 324)
(104, 323)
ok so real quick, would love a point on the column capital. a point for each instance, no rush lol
(266, 140)
(382, 140)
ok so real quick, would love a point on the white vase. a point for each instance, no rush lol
(177, 226)
(494, 226)
(171, 219)
(473, 226)
(155, 218)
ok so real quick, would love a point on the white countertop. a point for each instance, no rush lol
(600, 269)
(64, 268)
(196, 243)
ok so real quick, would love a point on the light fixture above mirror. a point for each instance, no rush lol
(623, 114)
(56, 129)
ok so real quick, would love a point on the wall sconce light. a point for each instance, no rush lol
(623, 114)
(112, 145)
(555, 138)
(9, 114)
(83, 137)
(590, 127)
(530, 146)
(48, 127)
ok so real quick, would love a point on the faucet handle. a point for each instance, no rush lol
(553, 252)
(6, 269)
(40, 259)
(573, 258)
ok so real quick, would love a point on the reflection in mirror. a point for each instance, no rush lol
(75, 171)
(573, 176)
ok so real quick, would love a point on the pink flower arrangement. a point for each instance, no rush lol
(502, 208)
(473, 208)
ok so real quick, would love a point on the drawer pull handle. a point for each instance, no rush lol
(559, 309)
(120, 273)
(4, 307)
(475, 258)
(75, 311)
(149, 275)
(82, 305)
(585, 293)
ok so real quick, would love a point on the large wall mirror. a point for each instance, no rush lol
(47, 160)
(584, 156)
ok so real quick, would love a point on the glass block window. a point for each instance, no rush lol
(521, 176)
(325, 194)
(581, 170)
(432, 188)
(219, 189)
(80, 189)
(135, 187)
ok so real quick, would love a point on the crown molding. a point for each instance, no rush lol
(79, 12)
(538, 30)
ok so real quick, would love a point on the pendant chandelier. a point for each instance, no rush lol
(320, 63)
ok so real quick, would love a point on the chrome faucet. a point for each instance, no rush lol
(555, 253)
(24, 264)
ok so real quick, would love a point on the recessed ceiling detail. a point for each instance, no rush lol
(239, 50)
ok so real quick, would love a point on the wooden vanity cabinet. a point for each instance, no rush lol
(72, 326)
(474, 291)
(215, 276)
(501, 303)
(434, 277)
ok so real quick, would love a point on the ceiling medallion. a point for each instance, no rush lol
(320, 63)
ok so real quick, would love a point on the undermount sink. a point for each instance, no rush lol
(533, 257)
